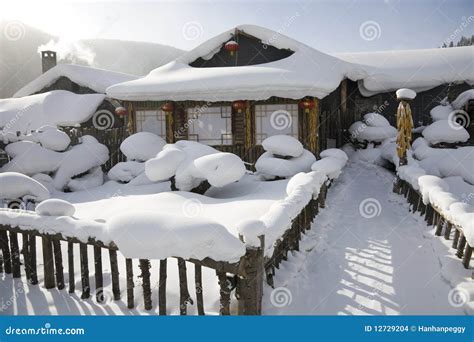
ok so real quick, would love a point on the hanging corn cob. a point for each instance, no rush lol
(404, 123)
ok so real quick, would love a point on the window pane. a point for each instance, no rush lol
(212, 125)
(153, 121)
(274, 119)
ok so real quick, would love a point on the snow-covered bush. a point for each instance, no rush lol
(332, 162)
(14, 186)
(284, 157)
(79, 163)
(445, 131)
(374, 128)
(142, 146)
(191, 163)
(55, 207)
(138, 148)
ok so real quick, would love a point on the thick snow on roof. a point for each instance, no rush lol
(58, 107)
(416, 69)
(307, 72)
(95, 79)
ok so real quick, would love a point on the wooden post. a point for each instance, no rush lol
(6, 251)
(86, 289)
(184, 297)
(58, 262)
(25, 249)
(224, 294)
(162, 287)
(447, 231)
(48, 262)
(456, 238)
(99, 278)
(467, 256)
(15, 255)
(32, 261)
(145, 268)
(250, 282)
(70, 267)
(199, 290)
(439, 226)
(130, 284)
(115, 274)
(461, 245)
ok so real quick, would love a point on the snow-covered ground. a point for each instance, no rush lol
(367, 254)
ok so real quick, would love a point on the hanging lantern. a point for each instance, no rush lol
(231, 46)
(306, 104)
(121, 111)
(167, 107)
(239, 105)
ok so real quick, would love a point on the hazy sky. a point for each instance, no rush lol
(331, 26)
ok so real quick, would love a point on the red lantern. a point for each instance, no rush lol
(167, 107)
(306, 104)
(239, 105)
(231, 46)
(121, 111)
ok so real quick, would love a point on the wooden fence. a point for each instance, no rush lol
(246, 276)
(433, 216)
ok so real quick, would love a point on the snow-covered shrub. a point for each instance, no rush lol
(332, 162)
(14, 185)
(49, 137)
(138, 148)
(445, 131)
(55, 207)
(374, 128)
(191, 163)
(284, 157)
(142, 146)
(81, 160)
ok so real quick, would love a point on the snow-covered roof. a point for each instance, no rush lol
(96, 79)
(58, 107)
(416, 69)
(307, 72)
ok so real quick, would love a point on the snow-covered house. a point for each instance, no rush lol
(249, 83)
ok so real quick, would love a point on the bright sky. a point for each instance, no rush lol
(331, 26)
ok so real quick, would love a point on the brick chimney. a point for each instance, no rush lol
(48, 59)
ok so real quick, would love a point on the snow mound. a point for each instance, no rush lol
(15, 185)
(441, 112)
(142, 146)
(183, 160)
(55, 207)
(329, 166)
(376, 120)
(463, 98)
(405, 94)
(447, 131)
(50, 138)
(334, 152)
(54, 108)
(283, 145)
(93, 178)
(151, 235)
(367, 131)
(271, 166)
(126, 171)
(429, 185)
(251, 230)
(220, 169)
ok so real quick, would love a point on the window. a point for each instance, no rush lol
(153, 121)
(273, 119)
(210, 125)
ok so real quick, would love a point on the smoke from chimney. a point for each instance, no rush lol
(71, 51)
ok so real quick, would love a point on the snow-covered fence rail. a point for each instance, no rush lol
(435, 217)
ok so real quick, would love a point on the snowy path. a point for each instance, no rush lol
(351, 264)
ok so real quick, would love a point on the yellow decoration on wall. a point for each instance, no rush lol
(130, 126)
(405, 127)
(248, 127)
